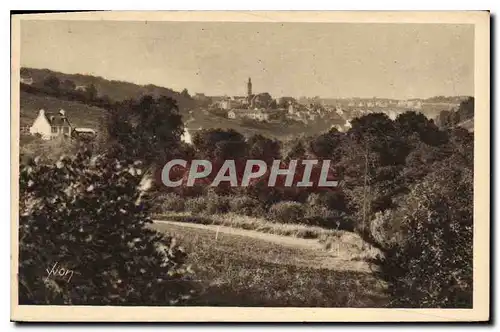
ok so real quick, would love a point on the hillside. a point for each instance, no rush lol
(80, 115)
(115, 90)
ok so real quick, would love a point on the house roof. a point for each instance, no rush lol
(57, 119)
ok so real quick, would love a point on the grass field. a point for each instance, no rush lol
(79, 114)
(241, 270)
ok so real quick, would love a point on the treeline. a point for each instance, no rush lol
(66, 90)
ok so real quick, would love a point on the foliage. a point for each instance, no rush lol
(148, 129)
(169, 202)
(287, 212)
(88, 215)
(217, 203)
(196, 205)
(431, 266)
(246, 206)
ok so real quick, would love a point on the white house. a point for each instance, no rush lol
(186, 136)
(51, 125)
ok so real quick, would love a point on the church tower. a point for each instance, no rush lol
(249, 87)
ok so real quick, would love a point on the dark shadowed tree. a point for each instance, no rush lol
(52, 82)
(91, 92)
(263, 148)
(185, 94)
(148, 129)
(68, 85)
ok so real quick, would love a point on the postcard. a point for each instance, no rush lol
(250, 166)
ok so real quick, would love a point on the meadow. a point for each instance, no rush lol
(239, 270)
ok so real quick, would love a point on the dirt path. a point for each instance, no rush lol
(341, 258)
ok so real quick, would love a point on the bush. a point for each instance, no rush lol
(319, 213)
(385, 228)
(196, 204)
(324, 217)
(169, 202)
(88, 216)
(431, 266)
(217, 204)
(246, 206)
(287, 212)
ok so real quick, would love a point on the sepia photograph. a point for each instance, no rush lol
(250, 166)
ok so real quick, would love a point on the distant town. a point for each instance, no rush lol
(263, 107)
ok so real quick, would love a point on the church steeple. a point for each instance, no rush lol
(249, 87)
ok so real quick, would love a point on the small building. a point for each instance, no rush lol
(51, 125)
(84, 132)
(26, 80)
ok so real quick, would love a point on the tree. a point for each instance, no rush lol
(147, 130)
(409, 123)
(185, 94)
(52, 83)
(263, 100)
(68, 85)
(263, 148)
(219, 144)
(328, 145)
(87, 215)
(431, 265)
(91, 92)
(273, 104)
(466, 109)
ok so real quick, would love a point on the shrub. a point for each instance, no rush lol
(385, 228)
(169, 202)
(196, 204)
(324, 217)
(287, 212)
(217, 204)
(246, 206)
(88, 215)
(432, 265)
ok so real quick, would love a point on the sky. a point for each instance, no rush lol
(331, 60)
